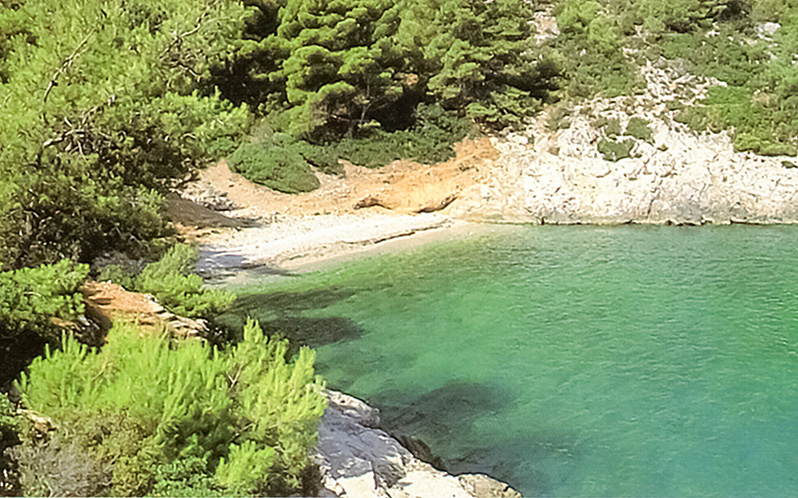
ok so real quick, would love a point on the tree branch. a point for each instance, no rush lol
(178, 39)
(67, 63)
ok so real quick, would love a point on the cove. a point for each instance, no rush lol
(572, 361)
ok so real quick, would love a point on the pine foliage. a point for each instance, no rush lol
(172, 281)
(30, 298)
(99, 107)
(331, 68)
(166, 417)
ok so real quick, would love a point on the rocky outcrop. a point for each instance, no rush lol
(107, 302)
(357, 459)
(676, 176)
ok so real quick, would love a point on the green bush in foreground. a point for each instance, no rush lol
(32, 301)
(150, 417)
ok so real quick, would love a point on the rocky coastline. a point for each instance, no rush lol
(358, 459)
(674, 176)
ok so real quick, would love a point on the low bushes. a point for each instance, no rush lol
(144, 416)
(639, 129)
(276, 166)
(284, 164)
(613, 150)
(171, 281)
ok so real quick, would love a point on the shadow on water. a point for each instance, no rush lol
(289, 302)
(447, 414)
(313, 332)
(441, 412)
(280, 313)
(534, 463)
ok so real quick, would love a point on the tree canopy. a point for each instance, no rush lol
(101, 109)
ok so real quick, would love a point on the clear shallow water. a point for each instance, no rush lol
(574, 361)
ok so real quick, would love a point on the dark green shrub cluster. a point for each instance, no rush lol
(277, 166)
(612, 127)
(30, 298)
(172, 281)
(429, 141)
(284, 164)
(615, 150)
(33, 303)
(323, 158)
(143, 416)
(639, 129)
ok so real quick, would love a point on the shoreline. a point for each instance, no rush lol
(306, 244)
(297, 245)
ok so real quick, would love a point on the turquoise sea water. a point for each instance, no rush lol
(574, 361)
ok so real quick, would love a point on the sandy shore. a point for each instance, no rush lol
(309, 243)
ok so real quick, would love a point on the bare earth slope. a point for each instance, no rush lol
(263, 228)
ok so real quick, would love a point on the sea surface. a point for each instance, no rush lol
(572, 361)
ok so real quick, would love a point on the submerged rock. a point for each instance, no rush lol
(357, 459)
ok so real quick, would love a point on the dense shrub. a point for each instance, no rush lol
(30, 298)
(175, 418)
(612, 127)
(283, 164)
(276, 166)
(615, 150)
(639, 129)
(323, 158)
(33, 303)
(429, 141)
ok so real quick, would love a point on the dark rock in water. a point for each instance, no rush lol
(420, 450)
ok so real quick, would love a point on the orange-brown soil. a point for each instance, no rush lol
(107, 303)
(402, 187)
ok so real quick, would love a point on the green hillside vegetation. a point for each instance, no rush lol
(722, 39)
